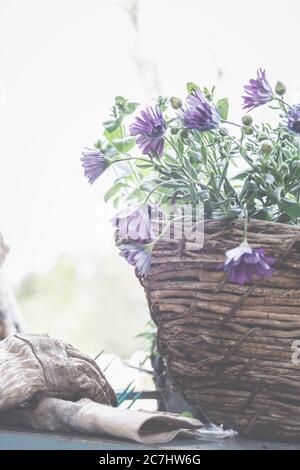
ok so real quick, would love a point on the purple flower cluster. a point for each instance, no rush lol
(199, 113)
(150, 127)
(94, 164)
(138, 256)
(258, 92)
(292, 119)
(243, 262)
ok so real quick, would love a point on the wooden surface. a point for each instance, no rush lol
(11, 439)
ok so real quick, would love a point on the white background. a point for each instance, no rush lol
(62, 62)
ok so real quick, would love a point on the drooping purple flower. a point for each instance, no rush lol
(199, 113)
(292, 119)
(243, 262)
(94, 164)
(150, 127)
(258, 92)
(134, 223)
(138, 256)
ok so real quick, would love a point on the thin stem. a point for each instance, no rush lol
(152, 244)
(245, 225)
(280, 100)
(135, 175)
(130, 158)
(231, 123)
(173, 146)
(117, 175)
(154, 189)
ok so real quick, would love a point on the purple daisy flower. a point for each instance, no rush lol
(199, 114)
(138, 256)
(150, 128)
(134, 222)
(94, 164)
(258, 91)
(243, 262)
(292, 119)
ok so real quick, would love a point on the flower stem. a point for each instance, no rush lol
(152, 244)
(129, 159)
(284, 103)
(154, 189)
(231, 123)
(173, 146)
(135, 175)
(245, 225)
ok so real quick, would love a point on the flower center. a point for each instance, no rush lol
(296, 127)
(157, 130)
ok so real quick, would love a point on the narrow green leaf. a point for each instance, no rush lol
(223, 107)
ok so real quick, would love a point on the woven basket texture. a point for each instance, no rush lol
(229, 348)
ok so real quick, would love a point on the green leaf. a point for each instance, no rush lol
(204, 195)
(173, 184)
(147, 185)
(116, 134)
(112, 124)
(192, 87)
(223, 107)
(112, 191)
(295, 188)
(120, 101)
(290, 208)
(170, 161)
(240, 176)
(223, 175)
(229, 214)
(135, 194)
(130, 107)
(180, 147)
(124, 145)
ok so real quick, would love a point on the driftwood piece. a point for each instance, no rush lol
(10, 316)
(229, 348)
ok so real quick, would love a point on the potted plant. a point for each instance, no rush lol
(228, 308)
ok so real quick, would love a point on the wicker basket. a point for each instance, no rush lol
(228, 348)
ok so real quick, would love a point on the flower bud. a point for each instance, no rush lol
(248, 130)
(174, 130)
(251, 187)
(176, 103)
(247, 120)
(184, 133)
(280, 88)
(266, 147)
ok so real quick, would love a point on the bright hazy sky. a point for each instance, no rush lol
(61, 64)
